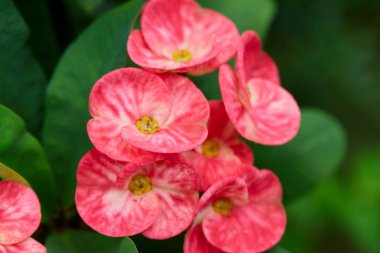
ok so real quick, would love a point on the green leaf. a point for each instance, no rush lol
(81, 242)
(246, 14)
(100, 49)
(20, 151)
(11, 175)
(22, 81)
(310, 158)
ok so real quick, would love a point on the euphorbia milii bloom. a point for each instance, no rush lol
(237, 215)
(136, 112)
(20, 216)
(180, 36)
(260, 109)
(157, 198)
(222, 154)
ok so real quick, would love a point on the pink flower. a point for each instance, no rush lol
(237, 215)
(222, 154)
(180, 36)
(157, 198)
(20, 216)
(260, 109)
(136, 112)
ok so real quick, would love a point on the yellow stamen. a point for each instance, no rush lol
(182, 55)
(223, 206)
(140, 184)
(147, 125)
(211, 148)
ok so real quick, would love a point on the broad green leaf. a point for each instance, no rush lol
(100, 49)
(254, 15)
(20, 151)
(11, 175)
(22, 81)
(310, 158)
(81, 242)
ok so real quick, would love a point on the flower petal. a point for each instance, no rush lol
(254, 227)
(20, 212)
(27, 246)
(249, 228)
(213, 26)
(264, 187)
(185, 128)
(196, 242)
(119, 99)
(106, 207)
(274, 113)
(253, 62)
(232, 188)
(235, 101)
(176, 184)
(167, 25)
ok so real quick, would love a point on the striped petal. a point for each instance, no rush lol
(255, 226)
(27, 246)
(195, 241)
(142, 55)
(211, 26)
(175, 184)
(167, 25)
(274, 113)
(104, 205)
(185, 128)
(253, 62)
(118, 100)
(236, 101)
(208, 37)
(232, 188)
(20, 212)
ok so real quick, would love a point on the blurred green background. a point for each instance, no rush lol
(328, 53)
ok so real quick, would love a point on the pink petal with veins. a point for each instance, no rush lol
(253, 62)
(264, 113)
(274, 113)
(143, 56)
(27, 246)
(252, 227)
(20, 212)
(196, 242)
(169, 26)
(175, 184)
(118, 100)
(232, 188)
(232, 153)
(184, 129)
(104, 205)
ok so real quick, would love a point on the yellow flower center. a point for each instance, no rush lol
(211, 148)
(182, 55)
(140, 184)
(147, 125)
(223, 206)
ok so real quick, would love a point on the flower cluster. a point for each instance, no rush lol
(159, 142)
(20, 216)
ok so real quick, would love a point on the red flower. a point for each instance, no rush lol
(237, 215)
(136, 112)
(180, 36)
(20, 216)
(157, 198)
(223, 153)
(260, 109)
